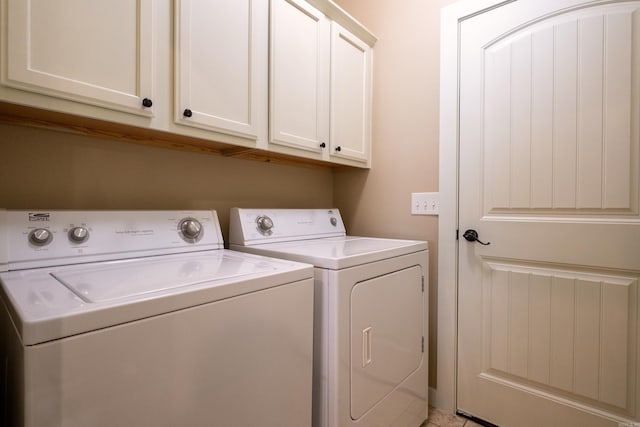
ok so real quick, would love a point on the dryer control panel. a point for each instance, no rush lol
(38, 238)
(258, 226)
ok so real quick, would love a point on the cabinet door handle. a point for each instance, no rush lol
(147, 103)
(322, 145)
(187, 113)
(338, 148)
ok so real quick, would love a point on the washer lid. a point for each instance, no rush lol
(127, 279)
(336, 253)
(52, 303)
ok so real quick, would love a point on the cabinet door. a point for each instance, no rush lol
(221, 65)
(98, 53)
(299, 76)
(350, 95)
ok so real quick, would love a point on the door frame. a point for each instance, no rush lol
(450, 19)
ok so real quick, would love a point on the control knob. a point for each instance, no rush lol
(190, 228)
(265, 224)
(78, 234)
(40, 236)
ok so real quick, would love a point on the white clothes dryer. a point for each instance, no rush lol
(370, 316)
(141, 318)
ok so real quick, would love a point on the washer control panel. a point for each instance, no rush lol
(49, 237)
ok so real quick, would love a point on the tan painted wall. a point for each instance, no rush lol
(46, 169)
(405, 132)
(54, 170)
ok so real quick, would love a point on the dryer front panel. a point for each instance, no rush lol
(387, 317)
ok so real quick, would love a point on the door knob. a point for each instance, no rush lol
(472, 236)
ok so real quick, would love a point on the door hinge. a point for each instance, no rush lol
(423, 344)
(422, 283)
(457, 234)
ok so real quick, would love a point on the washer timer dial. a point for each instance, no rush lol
(40, 237)
(78, 234)
(190, 229)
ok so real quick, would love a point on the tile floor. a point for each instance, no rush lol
(438, 418)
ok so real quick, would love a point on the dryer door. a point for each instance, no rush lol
(386, 335)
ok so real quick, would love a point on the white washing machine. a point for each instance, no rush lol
(143, 319)
(370, 318)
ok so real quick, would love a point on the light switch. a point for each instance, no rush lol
(425, 203)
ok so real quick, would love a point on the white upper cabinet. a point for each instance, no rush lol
(287, 77)
(350, 95)
(320, 83)
(299, 76)
(98, 53)
(221, 54)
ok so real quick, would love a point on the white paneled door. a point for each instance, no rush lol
(549, 174)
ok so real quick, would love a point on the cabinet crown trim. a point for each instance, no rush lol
(339, 15)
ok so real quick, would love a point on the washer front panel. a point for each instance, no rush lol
(50, 303)
(192, 367)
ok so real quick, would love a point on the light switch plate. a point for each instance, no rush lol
(425, 203)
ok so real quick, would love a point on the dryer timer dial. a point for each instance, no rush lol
(265, 225)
